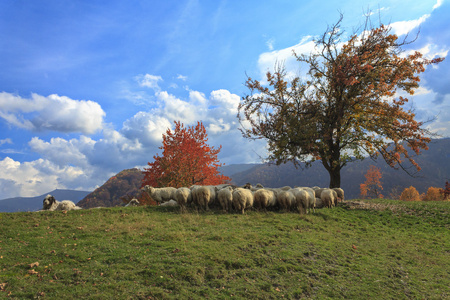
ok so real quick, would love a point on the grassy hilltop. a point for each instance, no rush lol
(378, 250)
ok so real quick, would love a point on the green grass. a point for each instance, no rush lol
(397, 251)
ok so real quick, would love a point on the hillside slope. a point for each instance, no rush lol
(127, 182)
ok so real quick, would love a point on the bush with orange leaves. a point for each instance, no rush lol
(410, 194)
(433, 194)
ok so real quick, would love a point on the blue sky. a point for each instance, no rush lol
(87, 88)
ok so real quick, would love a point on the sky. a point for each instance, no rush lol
(87, 88)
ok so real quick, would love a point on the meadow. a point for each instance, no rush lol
(381, 249)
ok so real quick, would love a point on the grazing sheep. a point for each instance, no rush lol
(242, 199)
(160, 194)
(183, 197)
(264, 198)
(51, 204)
(133, 202)
(286, 200)
(225, 197)
(319, 203)
(311, 199)
(340, 194)
(318, 191)
(204, 197)
(328, 197)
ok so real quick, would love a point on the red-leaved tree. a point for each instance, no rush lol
(372, 187)
(186, 159)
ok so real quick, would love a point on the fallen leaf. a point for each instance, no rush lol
(32, 272)
(35, 264)
(3, 286)
(354, 247)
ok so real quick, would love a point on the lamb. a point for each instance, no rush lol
(160, 194)
(133, 202)
(286, 200)
(328, 197)
(183, 197)
(242, 199)
(170, 203)
(225, 197)
(264, 198)
(51, 204)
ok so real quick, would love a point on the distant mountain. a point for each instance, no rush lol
(229, 170)
(127, 182)
(435, 164)
(35, 203)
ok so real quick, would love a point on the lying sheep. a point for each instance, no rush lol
(160, 194)
(133, 202)
(170, 203)
(242, 199)
(183, 197)
(51, 204)
(264, 198)
(225, 197)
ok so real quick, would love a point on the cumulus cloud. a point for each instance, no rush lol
(53, 113)
(29, 179)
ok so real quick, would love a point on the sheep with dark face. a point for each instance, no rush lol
(51, 204)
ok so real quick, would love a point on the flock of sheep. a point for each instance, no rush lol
(228, 197)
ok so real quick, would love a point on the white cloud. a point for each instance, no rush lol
(150, 81)
(54, 113)
(146, 127)
(404, 27)
(5, 141)
(268, 60)
(29, 179)
(182, 77)
(438, 4)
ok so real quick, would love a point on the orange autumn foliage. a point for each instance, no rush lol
(410, 194)
(186, 160)
(433, 194)
(372, 187)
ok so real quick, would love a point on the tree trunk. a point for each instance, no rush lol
(335, 177)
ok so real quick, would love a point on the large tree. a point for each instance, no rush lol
(187, 159)
(347, 107)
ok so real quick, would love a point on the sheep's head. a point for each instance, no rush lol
(247, 186)
(149, 189)
(48, 201)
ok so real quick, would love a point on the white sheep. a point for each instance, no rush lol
(133, 202)
(225, 197)
(242, 199)
(328, 197)
(51, 204)
(204, 197)
(183, 197)
(286, 200)
(305, 198)
(170, 203)
(264, 198)
(160, 194)
(340, 193)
